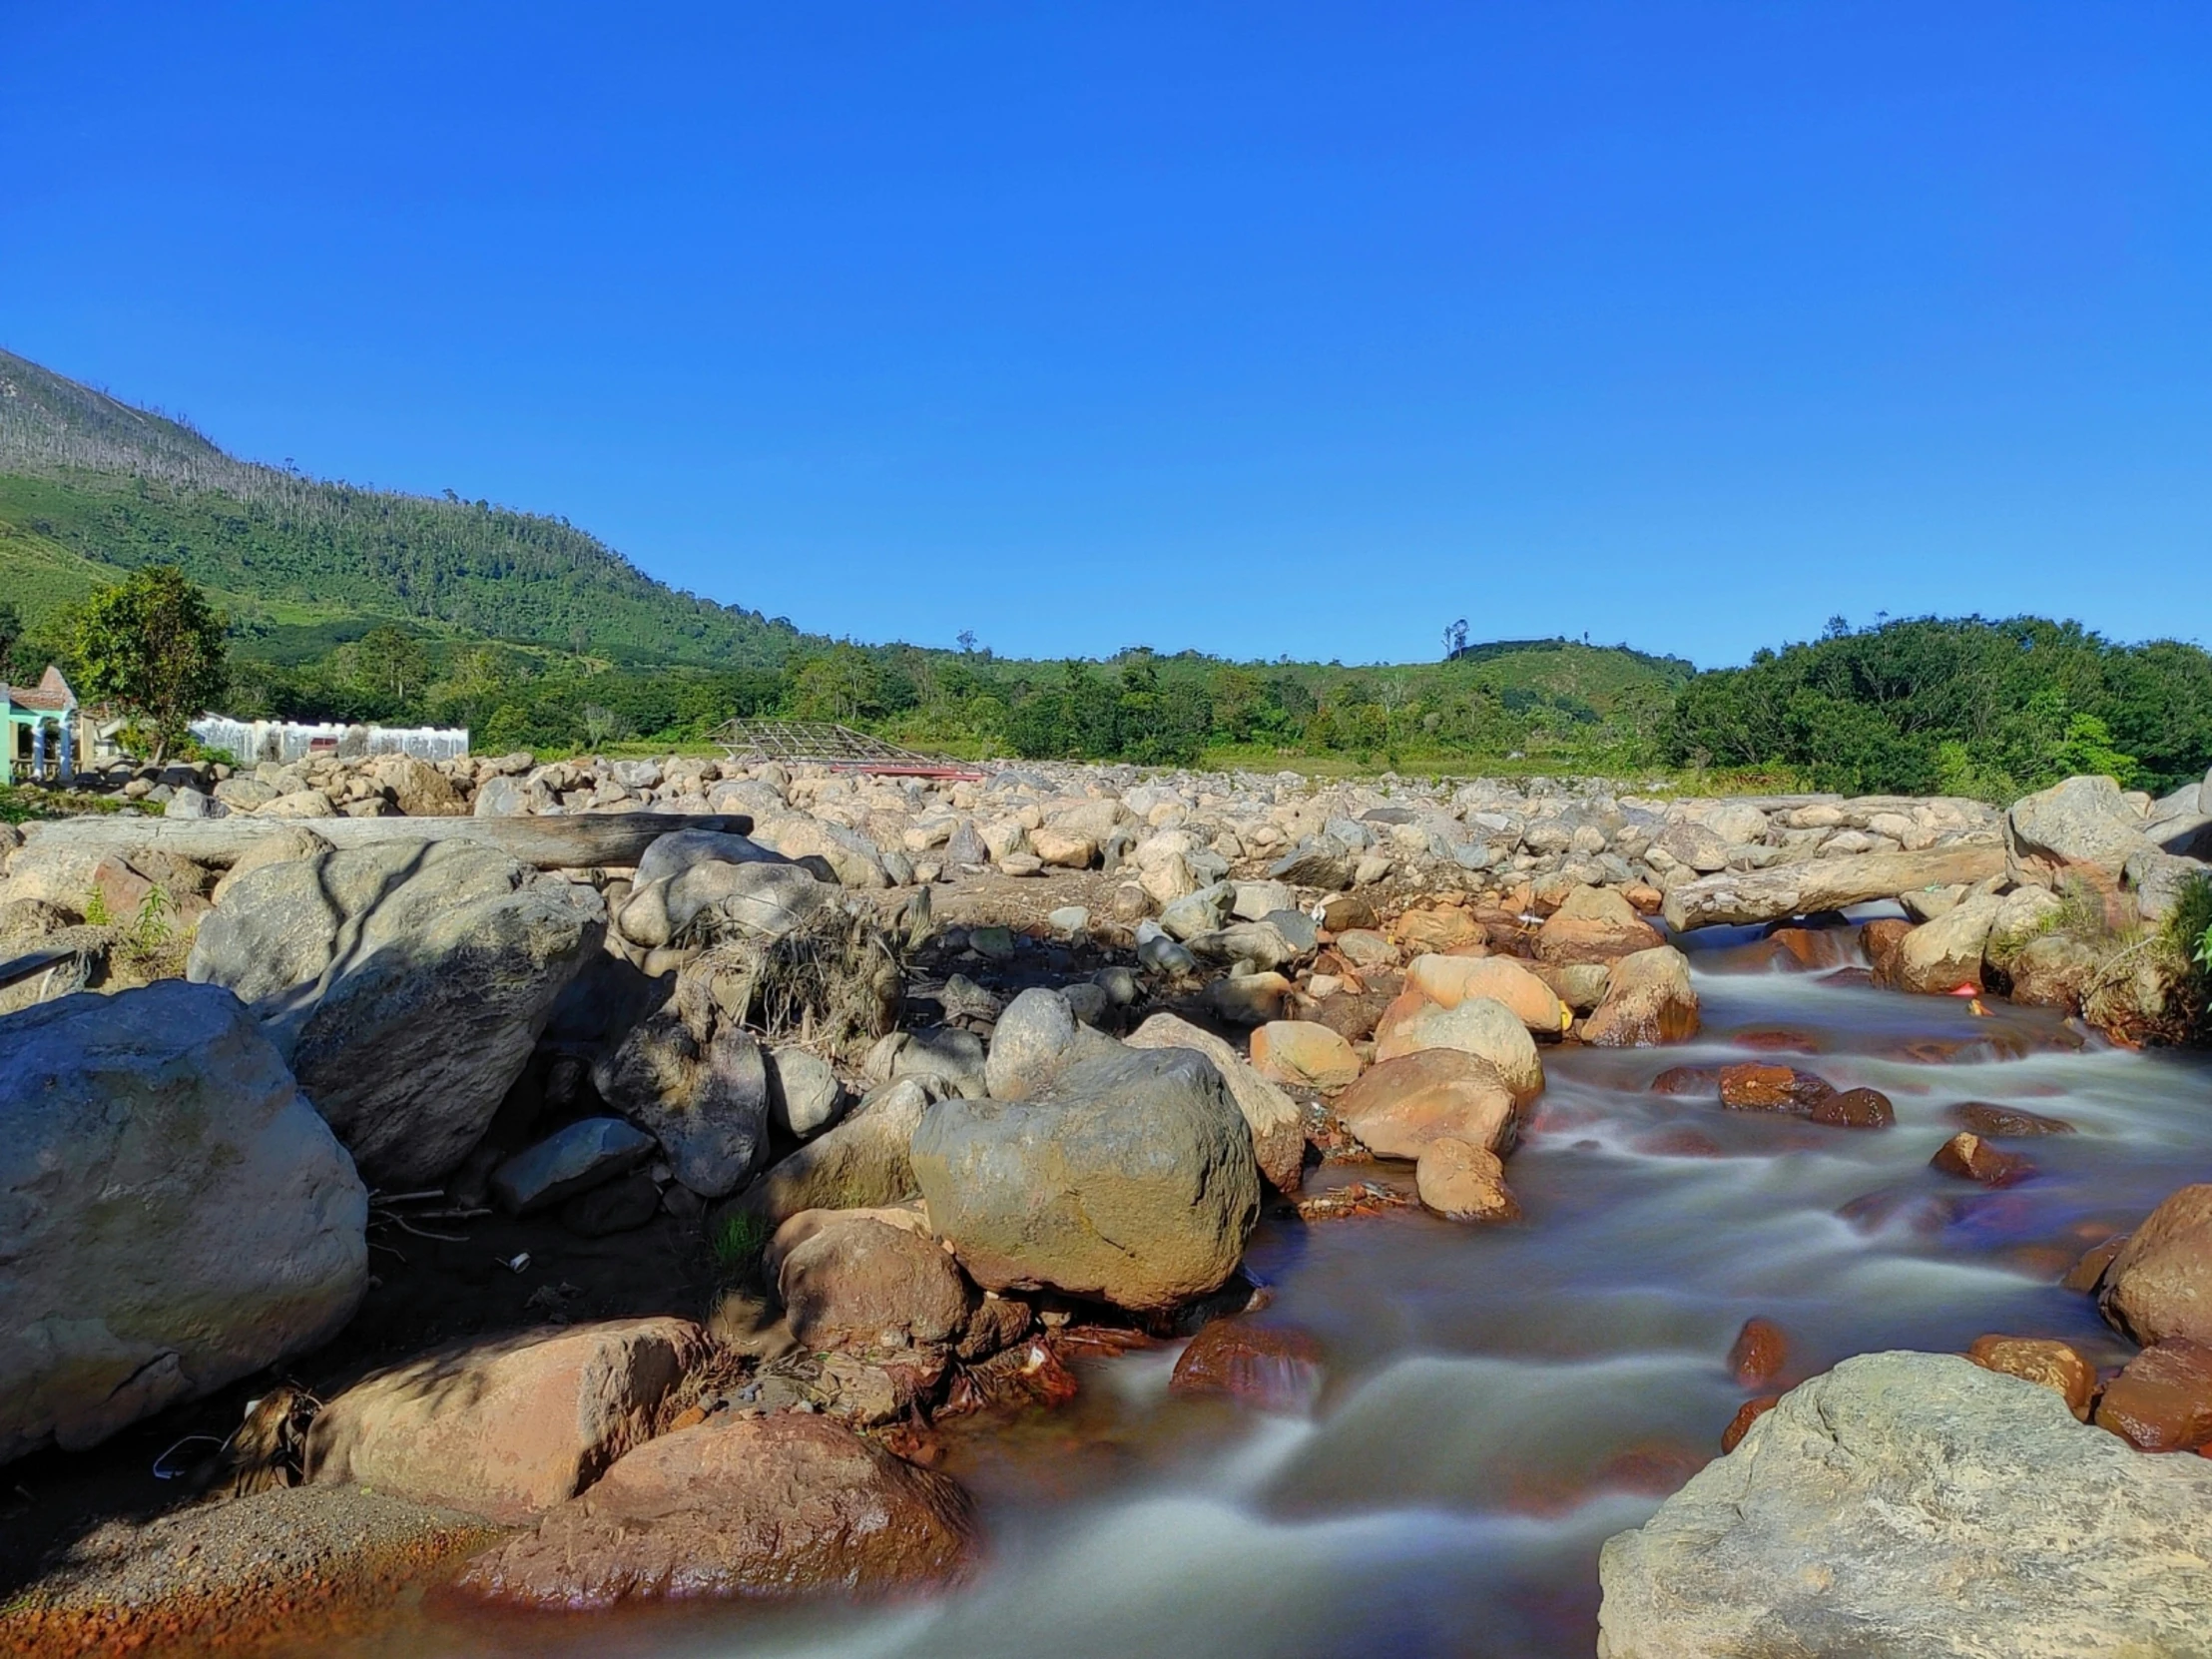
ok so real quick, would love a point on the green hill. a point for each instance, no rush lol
(89, 484)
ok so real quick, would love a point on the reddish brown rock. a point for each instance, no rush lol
(1463, 1181)
(2162, 1400)
(505, 1429)
(1855, 1109)
(1760, 1352)
(2160, 1282)
(1399, 1106)
(1746, 1415)
(861, 1282)
(1449, 981)
(1680, 1141)
(1351, 1015)
(2005, 1121)
(1879, 941)
(1757, 1087)
(1688, 1080)
(1778, 1041)
(1438, 929)
(1971, 1158)
(740, 1506)
(2088, 1272)
(1648, 1000)
(1595, 924)
(1804, 949)
(1271, 1366)
(2053, 1365)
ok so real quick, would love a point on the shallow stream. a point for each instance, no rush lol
(1497, 1403)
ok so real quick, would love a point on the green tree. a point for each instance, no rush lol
(155, 646)
(11, 630)
(392, 662)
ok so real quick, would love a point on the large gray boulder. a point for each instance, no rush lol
(172, 1213)
(406, 982)
(744, 884)
(1035, 1039)
(702, 1093)
(860, 1163)
(2084, 821)
(1129, 1178)
(1916, 1505)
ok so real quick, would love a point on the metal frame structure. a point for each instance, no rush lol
(822, 743)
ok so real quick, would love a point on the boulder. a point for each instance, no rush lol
(1758, 1086)
(2084, 821)
(506, 1428)
(1276, 1125)
(858, 1280)
(1914, 1503)
(759, 896)
(1447, 928)
(2160, 1284)
(1304, 1055)
(280, 846)
(298, 803)
(1595, 924)
(848, 854)
(1035, 1039)
(406, 984)
(861, 1162)
(2055, 1366)
(1274, 1366)
(1268, 944)
(1970, 1158)
(1130, 1178)
(418, 789)
(1648, 1000)
(949, 1059)
(172, 1213)
(770, 1506)
(567, 1162)
(1402, 1105)
(1480, 1026)
(1853, 1109)
(1463, 1181)
(1320, 862)
(1253, 901)
(1449, 981)
(1939, 956)
(700, 1088)
(501, 797)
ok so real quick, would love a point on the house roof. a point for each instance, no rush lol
(51, 694)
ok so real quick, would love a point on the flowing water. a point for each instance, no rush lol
(1498, 1402)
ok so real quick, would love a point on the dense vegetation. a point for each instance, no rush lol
(358, 604)
(1964, 705)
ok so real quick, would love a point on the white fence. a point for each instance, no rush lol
(254, 741)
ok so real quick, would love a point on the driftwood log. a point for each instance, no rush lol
(582, 840)
(1736, 896)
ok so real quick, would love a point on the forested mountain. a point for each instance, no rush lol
(89, 484)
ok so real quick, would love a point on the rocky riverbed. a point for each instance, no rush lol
(1190, 1199)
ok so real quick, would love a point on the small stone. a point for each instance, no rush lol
(568, 1162)
(2053, 1365)
(1746, 1415)
(1277, 1368)
(1971, 1158)
(1757, 1087)
(1855, 1109)
(1068, 920)
(1760, 1352)
(1303, 1054)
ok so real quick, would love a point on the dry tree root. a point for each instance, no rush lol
(834, 984)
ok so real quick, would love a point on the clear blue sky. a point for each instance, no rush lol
(1256, 329)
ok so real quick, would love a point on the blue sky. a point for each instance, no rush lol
(1255, 328)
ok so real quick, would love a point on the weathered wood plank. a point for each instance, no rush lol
(579, 841)
(1736, 896)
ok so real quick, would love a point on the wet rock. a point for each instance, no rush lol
(2162, 1399)
(1757, 1087)
(861, 1163)
(2005, 1121)
(1595, 924)
(1480, 1026)
(1807, 948)
(568, 1162)
(1464, 1180)
(505, 1429)
(172, 1213)
(1272, 1117)
(1855, 1109)
(1303, 1054)
(2051, 1364)
(1449, 981)
(2027, 1532)
(405, 983)
(1746, 1415)
(1130, 1178)
(1402, 1105)
(2087, 1274)
(1688, 1080)
(1277, 1368)
(1879, 941)
(1970, 1158)
(858, 1280)
(2160, 1282)
(1648, 1000)
(1761, 1351)
(770, 1506)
